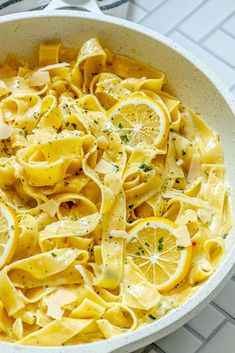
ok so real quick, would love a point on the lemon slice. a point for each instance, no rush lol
(140, 119)
(153, 247)
(8, 234)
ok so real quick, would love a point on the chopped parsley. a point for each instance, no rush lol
(145, 167)
(152, 317)
(120, 126)
(160, 244)
(124, 138)
(180, 247)
(116, 166)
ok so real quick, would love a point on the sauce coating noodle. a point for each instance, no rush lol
(115, 203)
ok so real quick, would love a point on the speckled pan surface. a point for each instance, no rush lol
(189, 79)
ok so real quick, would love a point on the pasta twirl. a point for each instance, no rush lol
(113, 205)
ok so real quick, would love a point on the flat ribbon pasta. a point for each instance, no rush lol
(91, 145)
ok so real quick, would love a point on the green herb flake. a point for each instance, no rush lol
(120, 126)
(124, 138)
(145, 167)
(160, 244)
(180, 247)
(117, 167)
(152, 317)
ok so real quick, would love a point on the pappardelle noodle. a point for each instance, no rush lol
(113, 206)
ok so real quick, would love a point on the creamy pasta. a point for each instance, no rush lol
(113, 206)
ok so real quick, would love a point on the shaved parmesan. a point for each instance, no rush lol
(179, 162)
(5, 131)
(182, 236)
(187, 217)
(50, 207)
(187, 199)
(204, 214)
(17, 329)
(39, 78)
(195, 169)
(104, 167)
(42, 319)
(56, 301)
(29, 317)
(54, 66)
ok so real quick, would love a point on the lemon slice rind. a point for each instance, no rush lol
(140, 125)
(185, 252)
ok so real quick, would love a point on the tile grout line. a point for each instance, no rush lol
(227, 32)
(183, 19)
(157, 7)
(148, 348)
(139, 6)
(229, 317)
(216, 330)
(156, 346)
(217, 56)
(194, 332)
(215, 28)
(208, 34)
(200, 45)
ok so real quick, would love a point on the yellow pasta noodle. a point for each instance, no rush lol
(113, 204)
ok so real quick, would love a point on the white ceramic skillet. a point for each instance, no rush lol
(189, 79)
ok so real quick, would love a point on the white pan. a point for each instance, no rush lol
(189, 79)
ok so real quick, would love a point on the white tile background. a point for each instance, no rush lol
(206, 28)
